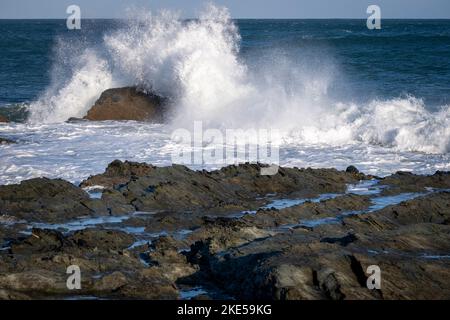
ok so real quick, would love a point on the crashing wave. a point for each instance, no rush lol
(197, 64)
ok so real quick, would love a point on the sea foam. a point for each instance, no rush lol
(198, 65)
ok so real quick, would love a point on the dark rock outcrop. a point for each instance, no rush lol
(3, 119)
(44, 200)
(331, 262)
(40, 241)
(409, 182)
(264, 253)
(35, 267)
(177, 188)
(127, 104)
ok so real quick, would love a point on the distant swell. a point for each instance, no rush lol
(197, 64)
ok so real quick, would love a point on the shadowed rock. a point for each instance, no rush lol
(258, 255)
(409, 182)
(44, 200)
(235, 188)
(3, 119)
(352, 169)
(118, 172)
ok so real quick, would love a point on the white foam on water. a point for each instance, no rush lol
(73, 98)
(74, 151)
(197, 64)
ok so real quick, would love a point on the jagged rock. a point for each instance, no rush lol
(177, 188)
(224, 233)
(127, 104)
(40, 241)
(116, 203)
(264, 254)
(407, 182)
(118, 172)
(111, 282)
(331, 262)
(165, 256)
(434, 208)
(307, 211)
(43, 200)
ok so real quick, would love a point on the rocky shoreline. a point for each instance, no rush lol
(143, 232)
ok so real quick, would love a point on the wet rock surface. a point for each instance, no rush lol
(408, 182)
(174, 233)
(177, 188)
(127, 104)
(3, 119)
(44, 200)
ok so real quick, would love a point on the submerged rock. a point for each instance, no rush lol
(233, 188)
(265, 253)
(127, 104)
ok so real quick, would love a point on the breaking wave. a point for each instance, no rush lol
(198, 65)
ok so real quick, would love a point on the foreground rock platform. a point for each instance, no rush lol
(143, 232)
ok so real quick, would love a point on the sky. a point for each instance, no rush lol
(51, 9)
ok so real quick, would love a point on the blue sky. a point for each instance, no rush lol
(12, 9)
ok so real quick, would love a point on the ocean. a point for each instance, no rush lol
(339, 93)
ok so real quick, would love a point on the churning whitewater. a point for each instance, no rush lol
(199, 65)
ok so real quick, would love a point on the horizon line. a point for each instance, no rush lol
(322, 18)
